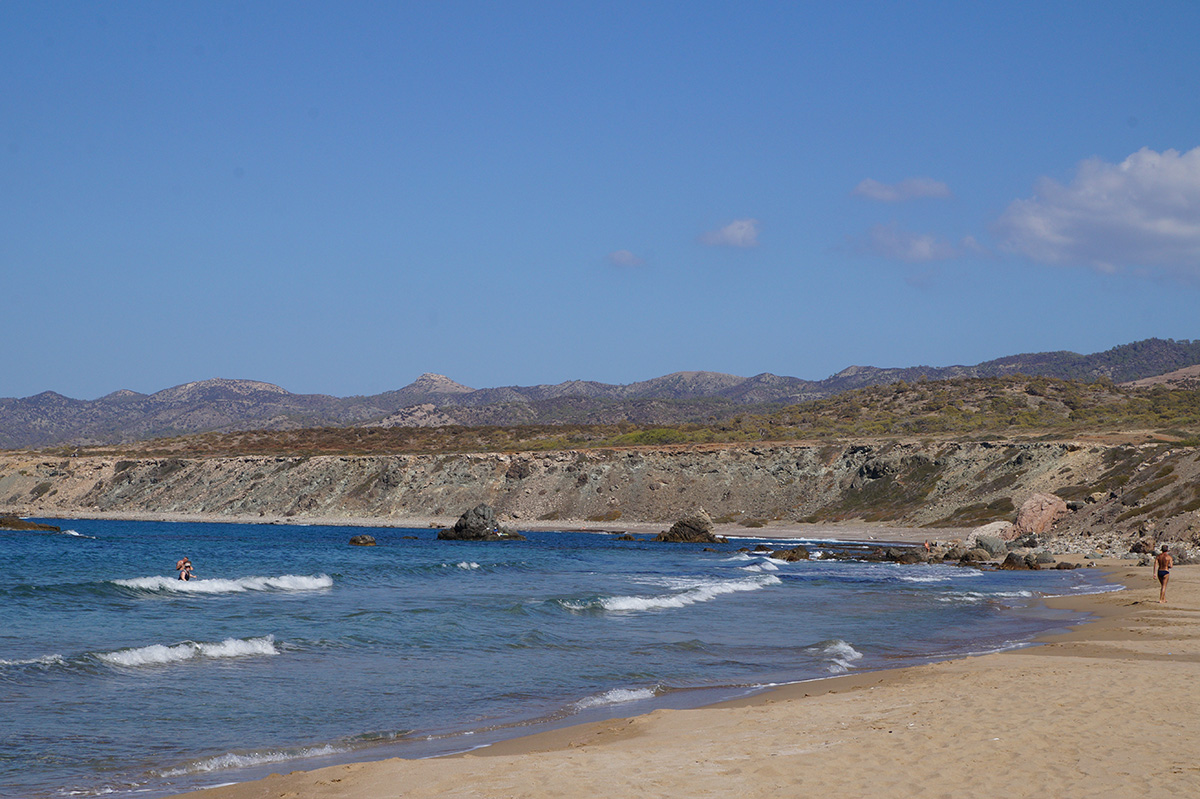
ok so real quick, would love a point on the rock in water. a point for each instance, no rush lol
(362, 540)
(791, 555)
(479, 524)
(693, 529)
(17, 523)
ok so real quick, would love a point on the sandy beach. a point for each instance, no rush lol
(1108, 709)
(847, 531)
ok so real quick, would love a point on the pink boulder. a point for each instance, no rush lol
(1039, 513)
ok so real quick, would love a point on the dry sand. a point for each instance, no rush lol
(1109, 709)
(846, 531)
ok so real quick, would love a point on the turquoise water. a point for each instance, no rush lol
(293, 649)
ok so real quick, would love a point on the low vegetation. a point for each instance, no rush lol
(963, 408)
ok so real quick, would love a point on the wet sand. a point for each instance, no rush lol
(1108, 709)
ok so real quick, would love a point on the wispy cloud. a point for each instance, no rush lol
(1142, 212)
(909, 189)
(738, 233)
(624, 258)
(891, 242)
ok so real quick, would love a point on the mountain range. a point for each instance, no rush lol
(50, 418)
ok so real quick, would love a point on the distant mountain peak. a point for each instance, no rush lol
(219, 385)
(121, 394)
(431, 383)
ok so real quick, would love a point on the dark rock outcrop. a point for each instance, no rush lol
(479, 524)
(15, 523)
(976, 555)
(693, 529)
(791, 555)
(362, 540)
(1017, 561)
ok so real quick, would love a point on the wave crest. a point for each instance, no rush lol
(234, 760)
(694, 591)
(284, 582)
(158, 654)
(617, 696)
(840, 654)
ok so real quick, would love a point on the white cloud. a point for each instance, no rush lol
(624, 258)
(889, 241)
(1143, 212)
(909, 189)
(738, 233)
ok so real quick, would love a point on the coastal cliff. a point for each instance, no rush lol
(1116, 492)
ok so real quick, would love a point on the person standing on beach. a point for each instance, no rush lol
(1163, 562)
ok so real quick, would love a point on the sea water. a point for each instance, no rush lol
(293, 649)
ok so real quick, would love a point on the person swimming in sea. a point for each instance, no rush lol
(184, 567)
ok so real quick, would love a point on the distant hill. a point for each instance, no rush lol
(432, 400)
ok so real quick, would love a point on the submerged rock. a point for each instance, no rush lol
(362, 540)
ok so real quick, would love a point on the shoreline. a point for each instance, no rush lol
(856, 531)
(1074, 715)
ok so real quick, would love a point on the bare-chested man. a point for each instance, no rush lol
(1163, 562)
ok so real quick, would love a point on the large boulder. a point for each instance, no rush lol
(791, 555)
(976, 555)
(1005, 531)
(1016, 560)
(17, 523)
(695, 528)
(362, 540)
(479, 524)
(1039, 513)
(993, 544)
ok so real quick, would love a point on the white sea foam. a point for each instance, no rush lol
(933, 579)
(468, 566)
(976, 596)
(767, 565)
(157, 654)
(77, 534)
(617, 696)
(841, 654)
(693, 591)
(44, 660)
(235, 760)
(285, 582)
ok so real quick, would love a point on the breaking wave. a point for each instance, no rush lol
(157, 654)
(617, 696)
(839, 653)
(285, 582)
(232, 760)
(693, 591)
(44, 660)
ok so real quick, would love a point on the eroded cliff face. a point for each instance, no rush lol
(1130, 488)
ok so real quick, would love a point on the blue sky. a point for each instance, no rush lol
(337, 197)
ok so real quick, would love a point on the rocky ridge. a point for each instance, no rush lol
(225, 405)
(1116, 497)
